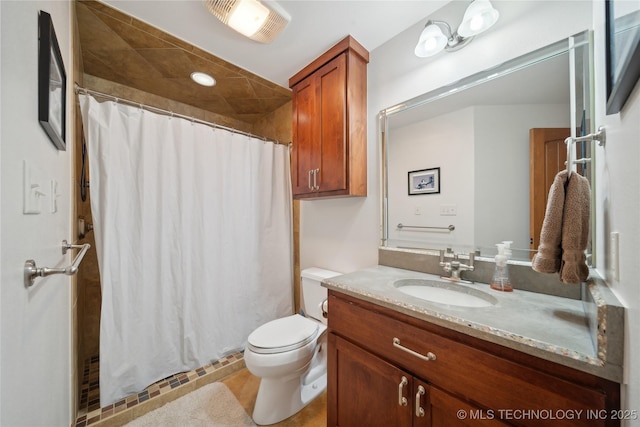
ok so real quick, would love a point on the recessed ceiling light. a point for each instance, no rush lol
(203, 79)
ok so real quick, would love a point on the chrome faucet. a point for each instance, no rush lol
(455, 267)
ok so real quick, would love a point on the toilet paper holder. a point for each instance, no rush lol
(324, 307)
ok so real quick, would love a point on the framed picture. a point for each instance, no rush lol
(52, 83)
(424, 181)
(622, 26)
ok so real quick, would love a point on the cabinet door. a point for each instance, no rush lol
(421, 406)
(304, 155)
(319, 155)
(364, 390)
(332, 90)
(448, 411)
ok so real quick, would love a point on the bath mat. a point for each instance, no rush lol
(210, 405)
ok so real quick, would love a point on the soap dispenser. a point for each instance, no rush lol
(507, 248)
(501, 281)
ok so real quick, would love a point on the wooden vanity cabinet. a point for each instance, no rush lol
(329, 150)
(369, 391)
(466, 381)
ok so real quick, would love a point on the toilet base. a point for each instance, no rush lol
(278, 400)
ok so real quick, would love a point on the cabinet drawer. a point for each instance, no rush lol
(479, 377)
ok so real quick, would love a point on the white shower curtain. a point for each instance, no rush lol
(193, 234)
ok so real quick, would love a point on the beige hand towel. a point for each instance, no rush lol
(565, 229)
(575, 230)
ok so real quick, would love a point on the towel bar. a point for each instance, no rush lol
(600, 136)
(450, 228)
(31, 271)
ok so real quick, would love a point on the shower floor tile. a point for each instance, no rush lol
(90, 412)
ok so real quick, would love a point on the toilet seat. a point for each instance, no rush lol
(282, 335)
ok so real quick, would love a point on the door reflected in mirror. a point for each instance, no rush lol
(497, 138)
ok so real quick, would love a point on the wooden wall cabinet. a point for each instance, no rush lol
(329, 152)
(433, 376)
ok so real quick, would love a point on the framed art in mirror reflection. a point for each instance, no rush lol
(424, 181)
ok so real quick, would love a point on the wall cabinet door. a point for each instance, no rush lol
(319, 150)
(329, 150)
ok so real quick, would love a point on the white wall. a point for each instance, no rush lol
(483, 155)
(420, 146)
(618, 207)
(1, 263)
(35, 365)
(502, 170)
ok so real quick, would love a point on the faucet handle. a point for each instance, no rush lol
(472, 258)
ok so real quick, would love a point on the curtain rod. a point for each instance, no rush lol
(172, 114)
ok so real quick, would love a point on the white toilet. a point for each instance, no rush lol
(289, 355)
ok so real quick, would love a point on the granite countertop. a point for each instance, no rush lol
(550, 327)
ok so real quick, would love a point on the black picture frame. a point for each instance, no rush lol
(424, 181)
(622, 43)
(52, 83)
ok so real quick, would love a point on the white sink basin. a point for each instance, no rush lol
(445, 293)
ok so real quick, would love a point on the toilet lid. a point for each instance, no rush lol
(284, 334)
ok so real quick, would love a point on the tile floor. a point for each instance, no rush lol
(240, 381)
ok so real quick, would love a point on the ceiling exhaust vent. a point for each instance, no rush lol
(261, 21)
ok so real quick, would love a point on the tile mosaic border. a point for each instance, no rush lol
(158, 393)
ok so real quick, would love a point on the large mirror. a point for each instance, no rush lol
(469, 165)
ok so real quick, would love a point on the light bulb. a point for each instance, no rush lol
(431, 41)
(479, 17)
(248, 17)
(476, 23)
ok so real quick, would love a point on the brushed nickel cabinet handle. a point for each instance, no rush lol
(429, 357)
(402, 401)
(419, 409)
(309, 180)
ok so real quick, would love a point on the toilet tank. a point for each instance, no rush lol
(313, 293)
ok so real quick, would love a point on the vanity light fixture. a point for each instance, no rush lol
(203, 78)
(261, 21)
(479, 16)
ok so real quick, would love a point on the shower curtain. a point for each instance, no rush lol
(193, 233)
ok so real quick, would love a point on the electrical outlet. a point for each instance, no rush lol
(448, 210)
